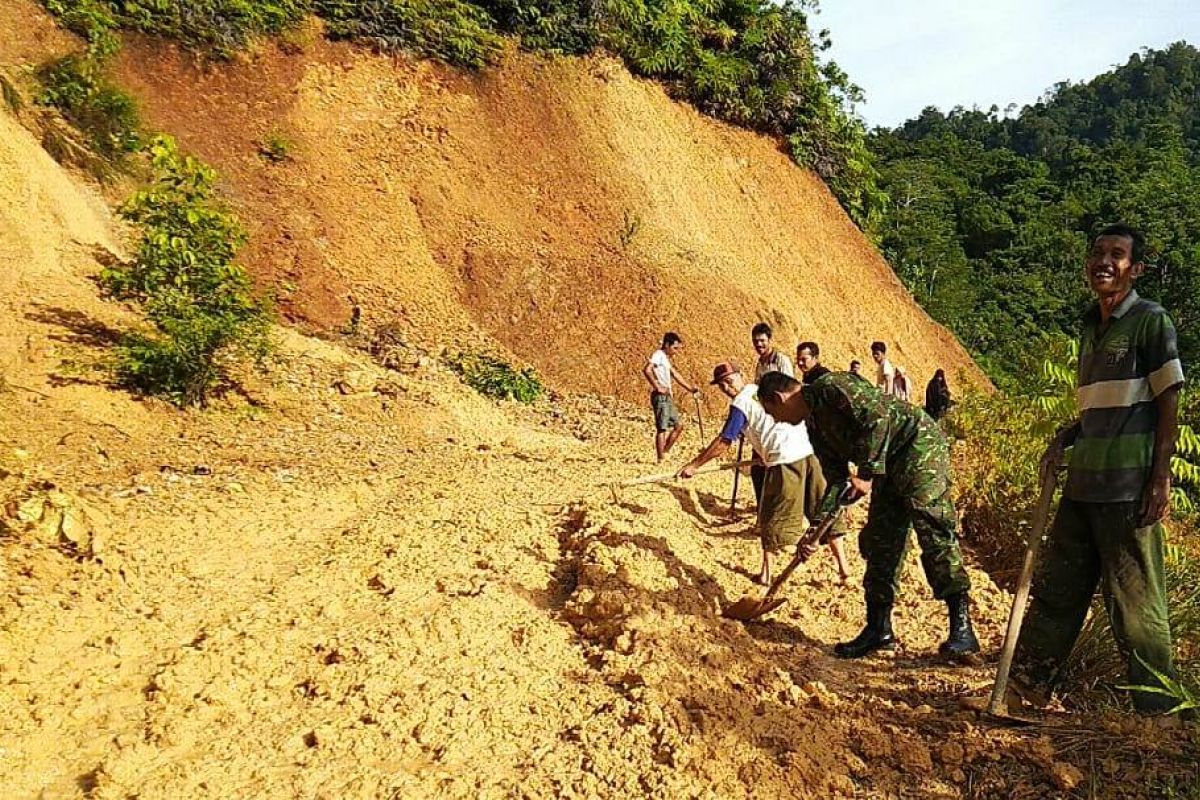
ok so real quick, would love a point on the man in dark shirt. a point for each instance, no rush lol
(808, 360)
(903, 459)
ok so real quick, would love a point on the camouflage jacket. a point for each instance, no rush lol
(854, 421)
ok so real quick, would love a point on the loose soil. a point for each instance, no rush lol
(356, 581)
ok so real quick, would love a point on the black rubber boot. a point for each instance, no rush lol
(876, 636)
(961, 641)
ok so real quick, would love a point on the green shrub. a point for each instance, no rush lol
(107, 116)
(94, 20)
(221, 27)
(497, 379)
(201, 304)
(550, 26)
(455, 31)
(276, 148)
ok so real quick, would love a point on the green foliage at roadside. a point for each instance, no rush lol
(201, 304)
(753, 63)
(497, 379)
(991, 215)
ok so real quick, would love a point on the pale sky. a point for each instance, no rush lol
(909, 54)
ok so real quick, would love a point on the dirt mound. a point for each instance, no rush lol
(562, 208)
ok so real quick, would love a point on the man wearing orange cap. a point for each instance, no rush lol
(793, 484)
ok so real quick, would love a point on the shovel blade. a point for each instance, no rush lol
(751, 608)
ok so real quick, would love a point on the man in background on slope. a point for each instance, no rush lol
(793, 485)
(808, 360)
(770, 359)
(668, 425)
(1106, 531)
(902, 458)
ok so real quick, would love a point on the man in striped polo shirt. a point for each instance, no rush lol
(1118, 483)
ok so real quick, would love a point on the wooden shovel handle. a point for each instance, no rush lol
(996, 704)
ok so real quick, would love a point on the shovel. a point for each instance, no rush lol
(996, 706)
(751, 608)
(699, 417)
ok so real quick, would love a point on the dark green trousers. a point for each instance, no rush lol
(916, 493)
(1094, 544)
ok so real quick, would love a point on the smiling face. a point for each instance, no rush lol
(762, 343)
(1110, 268)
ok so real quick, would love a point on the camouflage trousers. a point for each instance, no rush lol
(915, 492)
(1094, 544)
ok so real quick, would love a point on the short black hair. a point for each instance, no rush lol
(810, 346)
(776, 382)
(761, 329)
(855, 361)
(670, 338)
(878, 347)
(1121, 229)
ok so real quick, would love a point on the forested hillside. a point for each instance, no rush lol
(990, 216)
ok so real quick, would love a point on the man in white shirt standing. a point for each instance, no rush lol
(885, 376)
(793, 485)
(668, 424)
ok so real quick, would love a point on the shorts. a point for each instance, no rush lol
(666, 415)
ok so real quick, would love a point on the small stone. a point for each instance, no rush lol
(1065, 776)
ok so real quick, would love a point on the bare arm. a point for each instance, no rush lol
(715, 448)
(1158, 492)
(679, 379)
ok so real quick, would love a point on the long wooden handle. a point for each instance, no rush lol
(668, 477)
(737, 473)
(699, 418)
(996, 704)
(817, 535)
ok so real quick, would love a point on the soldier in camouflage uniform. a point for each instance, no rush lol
(903, 458)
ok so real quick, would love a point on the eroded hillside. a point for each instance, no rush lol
(563, 208)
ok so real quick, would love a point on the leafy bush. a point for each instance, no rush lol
(497, 379)
(106, 115)
(455, 31)
(219, 26)
(202, 305)
(94, 20)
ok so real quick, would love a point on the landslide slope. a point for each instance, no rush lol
(562, 208)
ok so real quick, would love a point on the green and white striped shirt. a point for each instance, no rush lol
(1123, 367)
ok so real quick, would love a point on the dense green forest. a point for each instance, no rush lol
(990, 216)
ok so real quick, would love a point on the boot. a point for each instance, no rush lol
(876, 636)
(962, 639)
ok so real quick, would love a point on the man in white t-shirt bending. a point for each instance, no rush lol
(668, 424)
(793, 485)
